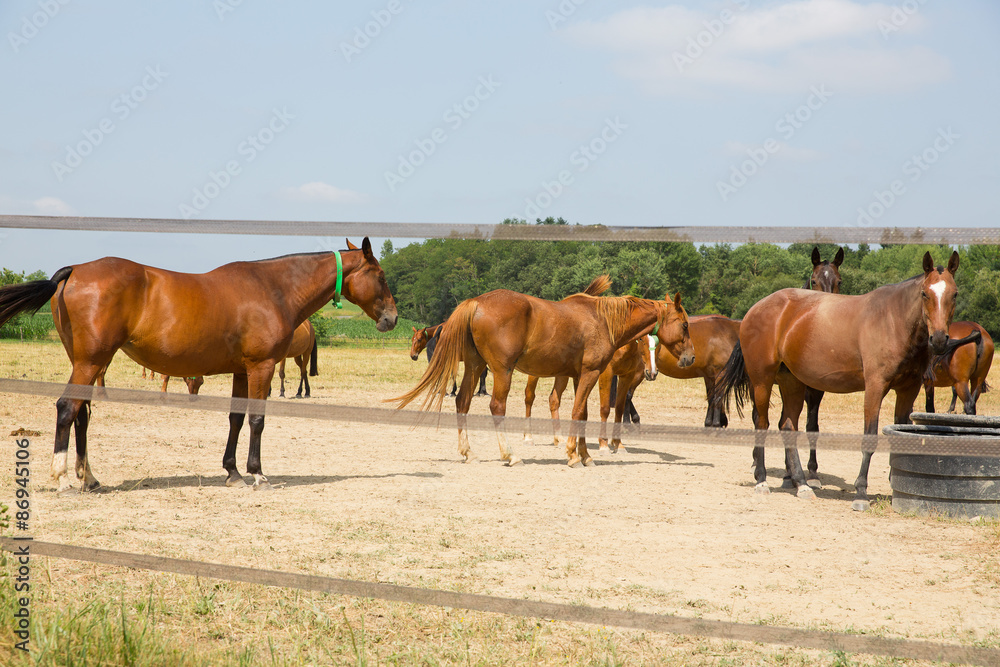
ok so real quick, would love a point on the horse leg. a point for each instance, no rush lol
(464, 401)
(482, 384)
(258, 385)
(623, 407)
(166, 379)
(498, 408)
(929, 397)
(70, 413)
(233, 477)
(874, 393)
(303, 377)
(761, 400)
(968, 403)
(954, 400)
(813, 398)
(711, 420)
(576, 445)
(792, 395)
(604, 390)
(529, 400)
(555, 400)
(281, 376)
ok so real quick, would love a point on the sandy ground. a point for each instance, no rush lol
(667, 527)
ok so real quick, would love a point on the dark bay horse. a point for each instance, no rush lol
(964, 369)
(714, 338)
(575, 337)
(873, 343)
(303, 343)
(426, 339)
(238, 318)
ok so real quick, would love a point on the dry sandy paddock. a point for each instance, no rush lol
(667, 527)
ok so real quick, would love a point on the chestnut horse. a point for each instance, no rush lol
(629, 365)
(427, 338)
(575, 337)
(714, 338)
(964, 369)
(303, 343)
(872, 343)
(238, 318)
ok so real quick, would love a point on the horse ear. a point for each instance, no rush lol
(928, 262)
(953, 263)
(366, 247)
(839, 259)
(815, 256)
(351, 246)
(677, 300)
(414, 328)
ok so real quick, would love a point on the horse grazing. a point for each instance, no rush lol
(617, 383)
(303, 343)
(575, 337)
(193, 383)
(872, 343)
(238, 318)
(427, 338)
(714, 338)
(964, 369)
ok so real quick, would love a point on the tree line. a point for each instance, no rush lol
(430, 278)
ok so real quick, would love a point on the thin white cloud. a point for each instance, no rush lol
(317, 191)
(52, 206)
(783, 47)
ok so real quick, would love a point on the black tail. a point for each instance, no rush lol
(614, 389)
(944, 358)
(16, 299)
(314, 360)
(733, 380)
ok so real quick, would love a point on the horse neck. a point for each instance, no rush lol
(642, 317)
(901, 303)
(319, 281)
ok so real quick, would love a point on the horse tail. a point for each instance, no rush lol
(314, 359)
(16, 299)
(598, 285)
(733, 380)
(944, 358)
(455, 337)
(613, 396)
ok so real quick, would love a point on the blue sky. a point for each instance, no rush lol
(741, 112)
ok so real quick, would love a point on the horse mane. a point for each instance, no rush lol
(598, 285)
(616, 311)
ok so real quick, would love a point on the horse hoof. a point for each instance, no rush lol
(860, 505)
(91, 487)
(604, 449)
(514, 462)
(235, 479)
(263, 486)
(529, 442)
(620, 449)
(589, 462)
(814, 483)
(787, 483)
(805, 492)
(762, 489)
(575, 464)
(470, 458)
(68, 491)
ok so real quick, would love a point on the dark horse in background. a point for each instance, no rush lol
(427, 339)
(874, 343)
(236, 319)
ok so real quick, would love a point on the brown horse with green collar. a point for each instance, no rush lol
(236, 319)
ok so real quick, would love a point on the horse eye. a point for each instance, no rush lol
(923, 295)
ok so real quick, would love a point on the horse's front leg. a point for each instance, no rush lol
(236, 417)
(529, 400)
(875, 391)
(555, 400)
(576, 446)
(813, 398)
(259, 386)
(604, 390)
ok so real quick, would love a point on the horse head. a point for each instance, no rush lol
(418, 342)
(938, 293)
(366, 287)
(826, 274)
(673, 331)
(648, 360)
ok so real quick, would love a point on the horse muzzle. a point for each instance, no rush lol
(414, 357)
(651, 375)
(685, 361)
(939, 342)
(387, 321)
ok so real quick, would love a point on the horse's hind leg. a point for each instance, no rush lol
(929, 398)
(968, 403)
(555, 400)
(813, 398)
(498, 408)
(464, 401)
(529, 400)
(236, 418)
(281, 377)
(954, 401)
(792, 395)
(604, 389)
(69, 413)
(304, 379)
